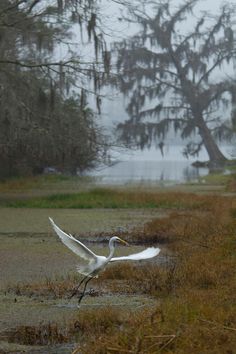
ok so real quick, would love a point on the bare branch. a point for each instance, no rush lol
(220, 59)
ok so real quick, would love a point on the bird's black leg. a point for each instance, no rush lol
(76, 288)
(83, 293)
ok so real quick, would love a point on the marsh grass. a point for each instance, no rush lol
(24, 183)
(194, 309)
(196, 295)
(51, 287)
(43, 334)
(109, 198)
(231, 183)
(103, 321)
(25, 187)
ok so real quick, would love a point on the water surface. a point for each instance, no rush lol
(151, 166)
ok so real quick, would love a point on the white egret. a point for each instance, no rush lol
(95, 263)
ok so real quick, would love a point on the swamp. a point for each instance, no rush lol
(118, 118)
(182, 301)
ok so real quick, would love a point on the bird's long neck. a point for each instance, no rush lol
(112, 249)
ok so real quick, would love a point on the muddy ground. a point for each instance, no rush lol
(31, 255)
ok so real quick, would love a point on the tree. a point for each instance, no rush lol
(44, 117)
(173, 76)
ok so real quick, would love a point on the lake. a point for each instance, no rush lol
(149, 166)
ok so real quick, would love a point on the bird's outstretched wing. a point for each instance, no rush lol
(74, 245)
(148, 253)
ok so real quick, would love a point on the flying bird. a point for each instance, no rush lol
(94, 263)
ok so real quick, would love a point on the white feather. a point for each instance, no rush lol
(146, 254)
(96, 263)
(74, 245)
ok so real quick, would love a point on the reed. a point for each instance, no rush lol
(195, 296)
(193, 308)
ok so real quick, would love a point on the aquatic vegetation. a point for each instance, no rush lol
(114, 198)
(196, 296)
(191, 299)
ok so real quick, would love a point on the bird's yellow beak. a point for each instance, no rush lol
(123, 241)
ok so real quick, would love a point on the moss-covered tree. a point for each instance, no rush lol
(171, 73)
(44, 118)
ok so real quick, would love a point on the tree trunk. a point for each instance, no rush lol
(216, 158)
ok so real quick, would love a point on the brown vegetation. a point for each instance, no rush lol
(49, 288)
(196, 295)
(193, 307)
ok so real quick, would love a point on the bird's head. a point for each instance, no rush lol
(118, 239)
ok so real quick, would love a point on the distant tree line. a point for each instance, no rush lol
(43, 121)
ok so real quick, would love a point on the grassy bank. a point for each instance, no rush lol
(55, 190)
(113, 198)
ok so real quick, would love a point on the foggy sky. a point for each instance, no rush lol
(113, 108)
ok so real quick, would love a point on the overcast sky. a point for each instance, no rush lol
(116, 29)
(114, 107)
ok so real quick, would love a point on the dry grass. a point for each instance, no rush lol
(104, 321)
(196, 312)
(51, 287)
(45, 182)
(44, 334)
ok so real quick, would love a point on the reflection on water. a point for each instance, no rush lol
(149, 166)
(150, 171)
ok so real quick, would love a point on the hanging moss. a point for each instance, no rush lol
(171, 77)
